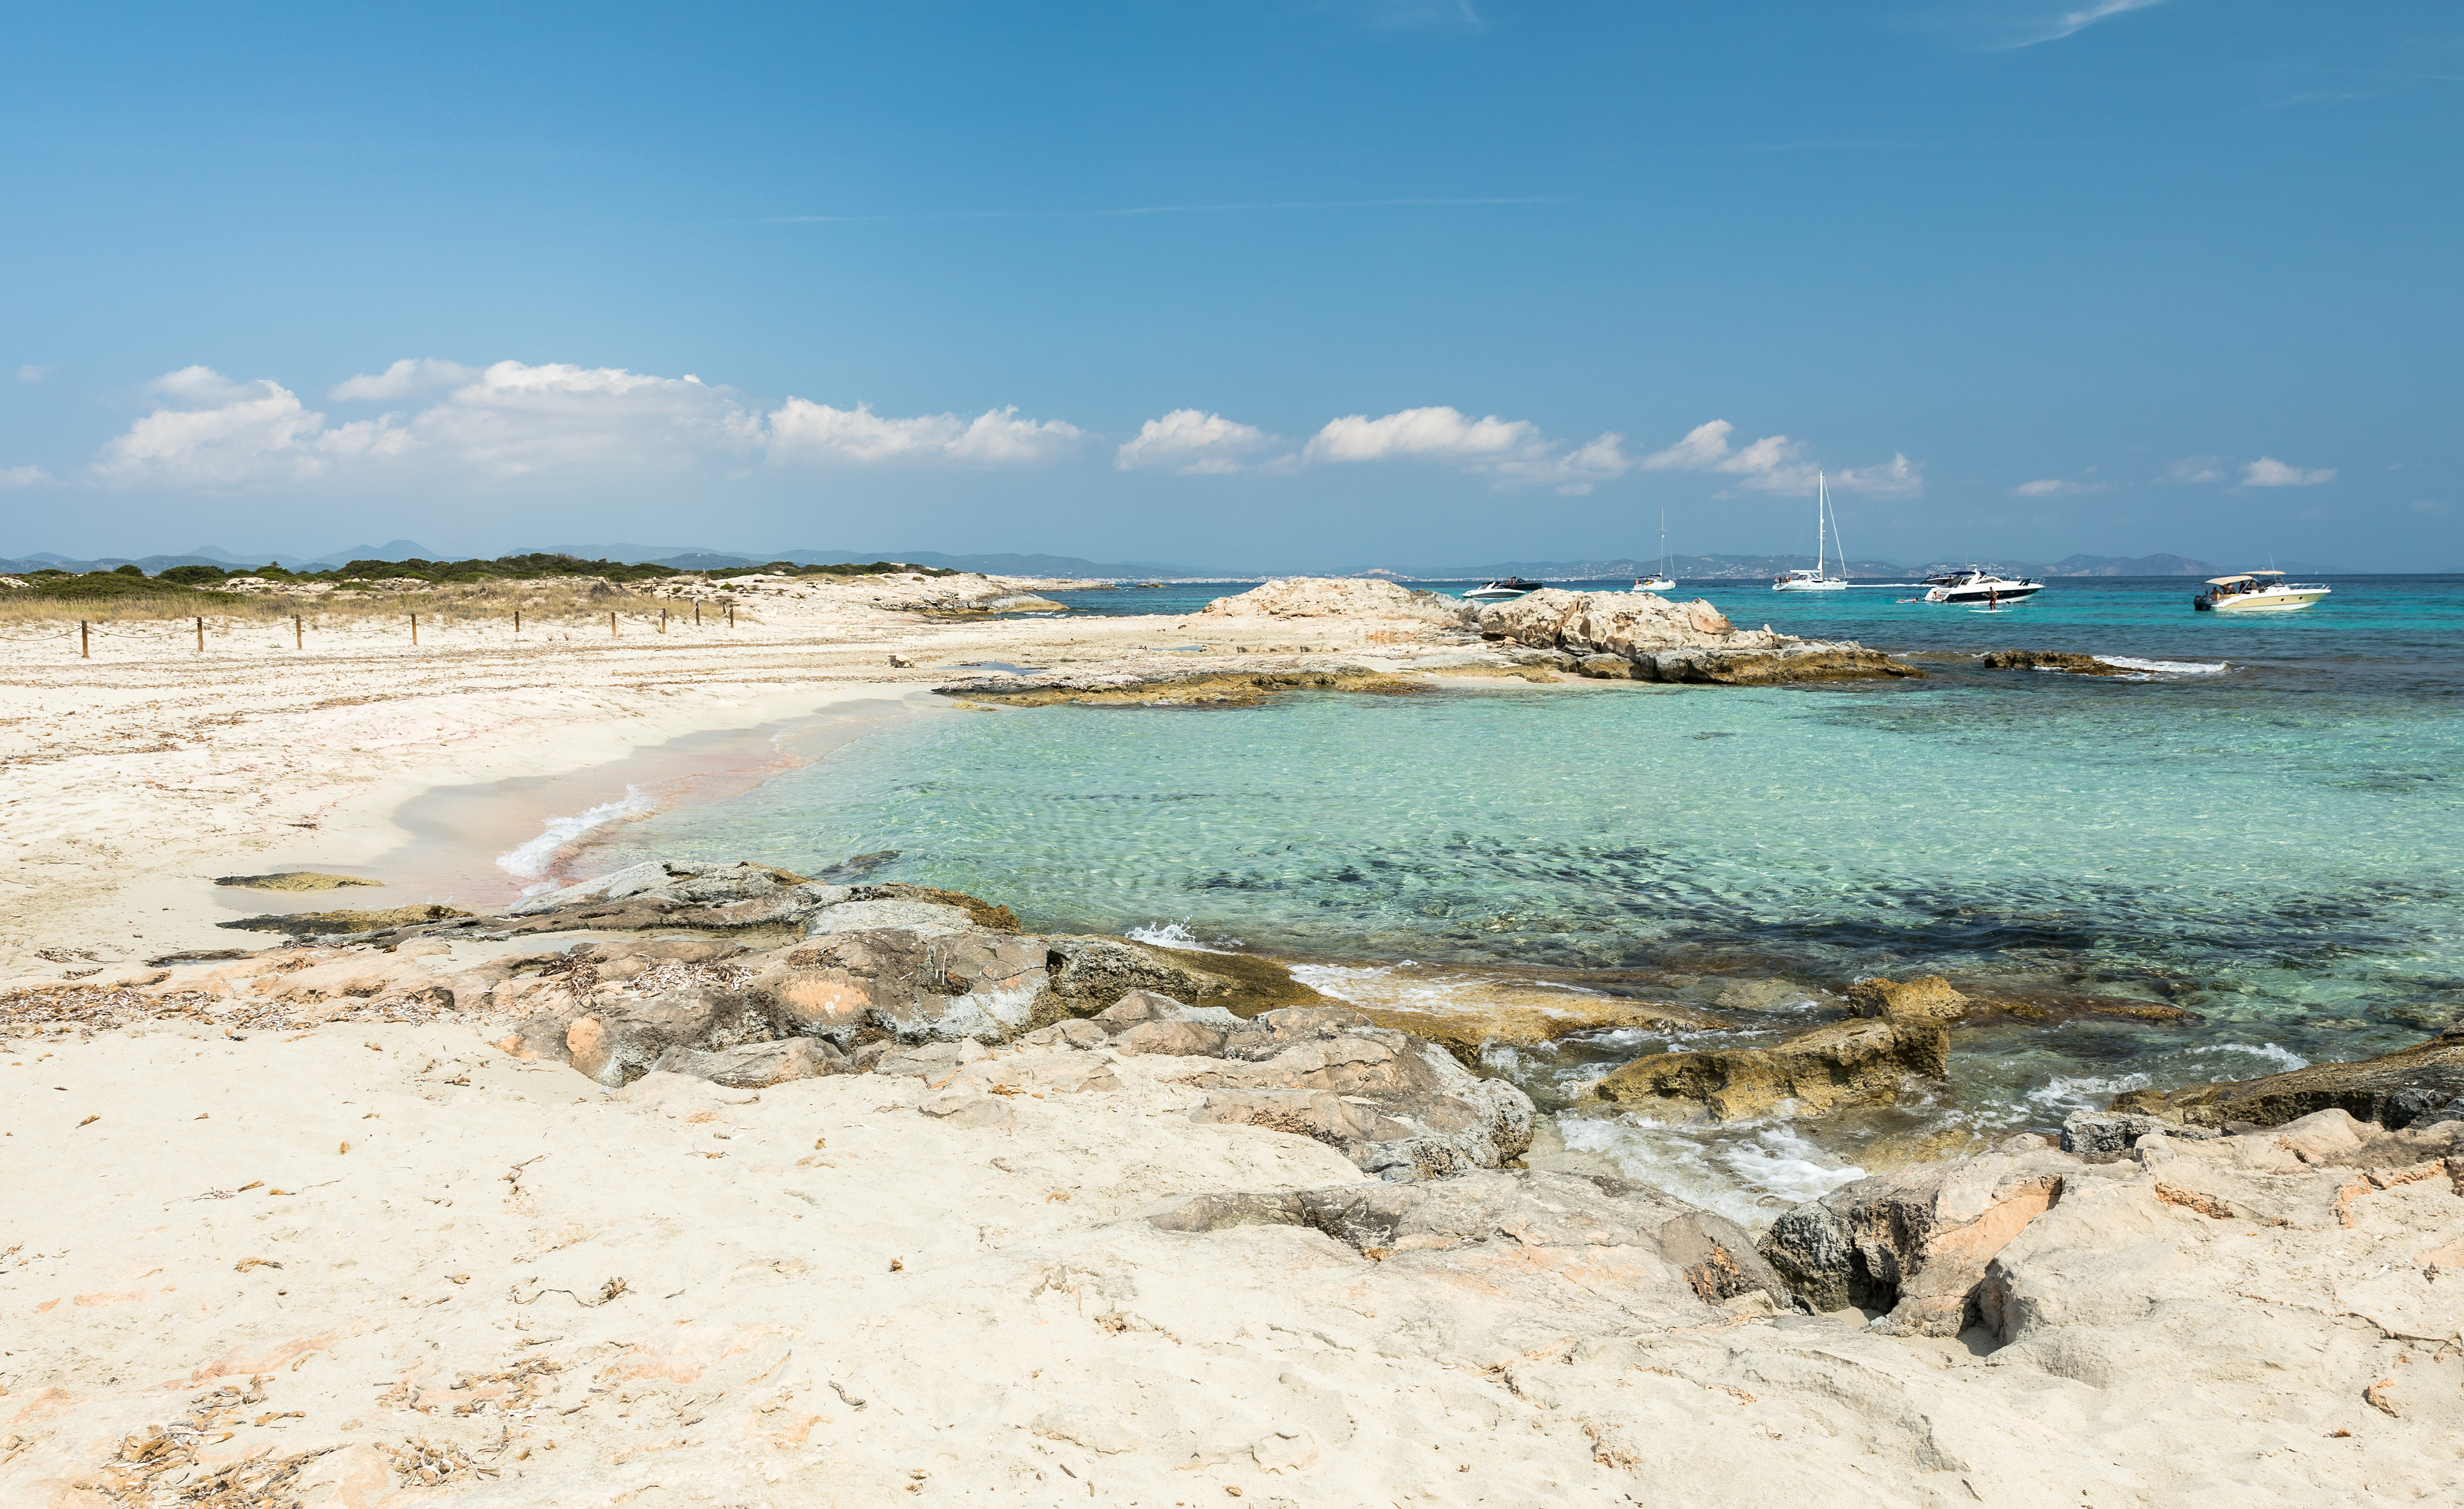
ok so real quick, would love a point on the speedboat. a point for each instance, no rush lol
(1500, 589)
(1975, 583)
(2257, 592)
(1817, 580)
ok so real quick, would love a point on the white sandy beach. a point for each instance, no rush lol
(375, 1263)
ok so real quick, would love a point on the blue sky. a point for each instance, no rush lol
(1320, 284)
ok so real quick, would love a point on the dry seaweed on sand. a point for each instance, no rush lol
(158, 1467)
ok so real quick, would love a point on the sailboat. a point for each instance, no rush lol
(1663, 580)
(1817, 580)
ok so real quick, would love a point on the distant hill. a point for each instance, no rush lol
(2119, 566)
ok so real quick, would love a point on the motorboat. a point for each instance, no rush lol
(1976, 584)
(1663, 580)
(1500, 589)
(2257, 592)
(1825, 524)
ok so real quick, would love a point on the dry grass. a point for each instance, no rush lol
(556, 601)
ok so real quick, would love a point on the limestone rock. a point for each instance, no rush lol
(1397, 1106)
(914, 983)
(344, 925)
(756, 1066)
(1915, 1242)
(1343, 597)
(1858, 1062)
(1927, 998)
(2394, 1090)
(294, 880)
(1092, 974)
(1527, 1210)
(2051, 660)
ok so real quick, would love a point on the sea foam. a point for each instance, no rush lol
(530, 860)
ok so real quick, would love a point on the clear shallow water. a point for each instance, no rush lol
(2271, 845)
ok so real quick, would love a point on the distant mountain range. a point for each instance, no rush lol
(694, 557)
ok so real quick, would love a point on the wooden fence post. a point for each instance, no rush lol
(201, 636)
(86, 641)
(612, 625)
(663, 620)
(731, 615)
(517, 620)
(298, 635)
(414, 631)
(697, 613)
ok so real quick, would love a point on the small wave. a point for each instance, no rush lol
(1746, 1173)
(2285, 1059)
(530, 860)
(1176, 934)
(2167, 667)
(2068, 1092)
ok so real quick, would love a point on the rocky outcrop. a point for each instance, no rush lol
(1090, 973)
(2394, 1090)
(1925, 998)
(1396, 1105)
(322, 925)
(1858, 1062)
(294, 880)
(1659, 640)
(1563, 1215)
(2051, 660)
(1345, 597)
(1915, 1242)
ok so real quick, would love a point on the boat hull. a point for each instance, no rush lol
(1656, 584)
(2260, 602)
(1809, 586)
(1980, 594)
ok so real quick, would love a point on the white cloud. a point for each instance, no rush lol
(1771, 464)
(514, 420)
(1896, 477)
(2269, 471)
(2057, 487)
(403, 379)
(801, 430)
(1507, 451)
(23, 477)
(1192, 442)
(31, 374)
(1424, 434)
(2195, 469)
(215, 433)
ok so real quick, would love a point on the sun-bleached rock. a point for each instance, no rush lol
(1855, 1062)
(1343, 597)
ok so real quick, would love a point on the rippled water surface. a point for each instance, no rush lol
(2265, 835)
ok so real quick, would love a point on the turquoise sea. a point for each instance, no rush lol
(2262, 828)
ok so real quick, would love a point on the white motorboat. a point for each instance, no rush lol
(1663, 580)
(2257, 592)
(1502, 589)
(1974, 584)
(1817, 580)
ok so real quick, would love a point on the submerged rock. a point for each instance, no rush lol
(1343, 597)
(2394, 1090)
(1858, 1062)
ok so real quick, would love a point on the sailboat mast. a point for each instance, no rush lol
(1822, 508)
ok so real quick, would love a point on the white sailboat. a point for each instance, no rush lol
(1663, 580)
(1817, 580)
